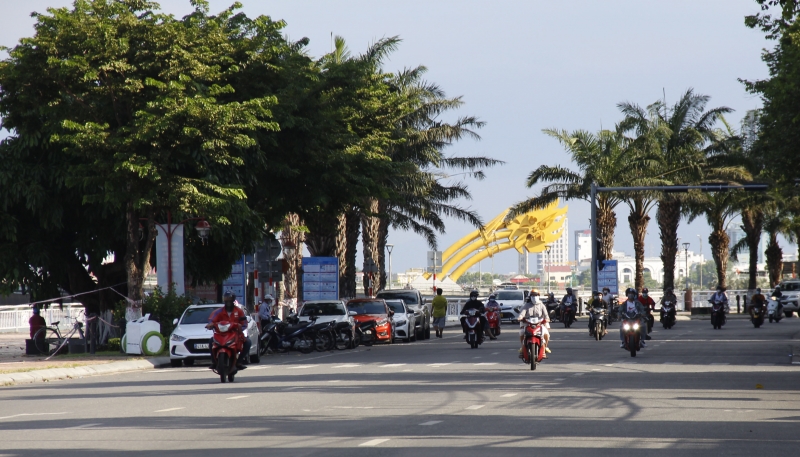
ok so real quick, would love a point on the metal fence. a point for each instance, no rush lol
(15, 318)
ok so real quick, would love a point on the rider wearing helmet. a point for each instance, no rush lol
(231, 313)
(597, 302)
(474, 303)
(669, 296)
(633, 306)
(533, 308)
(646, 300)
(720, 297)
(569, 301)
(758, 300)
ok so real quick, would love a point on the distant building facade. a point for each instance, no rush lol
(559, 251)
(583, 245)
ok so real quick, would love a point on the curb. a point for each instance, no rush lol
(55, 374)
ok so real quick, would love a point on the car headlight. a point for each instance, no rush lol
(381, 322)
(517, 309)
(400, 323)
(626, 327)
(636, 326)
(176, 337)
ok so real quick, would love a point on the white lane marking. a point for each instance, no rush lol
(431, 423)
(335, 380)
(374, 442)
(579, 374)
(348, 365)
(558, 379)
(408, 370)
(438, 364)
(293, 388)
(486, 363)
(31, 414)
(169, 409)
(390, 365)
(292, 367)
(82, 426)
(475, 406)
(495, 353)
(258, 368)
(509, 395)
(237, 397)
(595, 369)
(352, 407)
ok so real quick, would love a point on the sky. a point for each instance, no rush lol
(523, 66)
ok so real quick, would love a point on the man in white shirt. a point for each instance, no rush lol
(533, 308)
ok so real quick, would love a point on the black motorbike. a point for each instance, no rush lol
(668, 314)
(757, 315)
(282, 337)
(717, 314)
(568, 315)
(365, 333)
(598, 319)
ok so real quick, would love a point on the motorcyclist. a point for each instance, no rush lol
(552, 305)
(777, 294)
(597, 302)
(265, 312)
(231, 313)
(474, 303)
(720, 297)
(669, 296)
(632, 305)
(607, 296)
(646, 300)
(757, 301)
(569, 301)
(534, 308)
(491, 303)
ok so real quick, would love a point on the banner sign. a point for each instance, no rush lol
(320, 278)
(607, 276)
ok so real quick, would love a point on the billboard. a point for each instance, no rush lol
(320, 278)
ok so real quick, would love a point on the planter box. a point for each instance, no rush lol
(30, 347)
(76, 346)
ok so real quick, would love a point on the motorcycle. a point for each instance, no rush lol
(717, 314)
(568, 316)
(757, 316)
(553, 310)
(668, 314)
(225, 350)
(631, 335)
(365, 333)
(283, 337)
(774, 310)
(600, 321)
(613, 311)
(650, 319)
(493, 318)
(534, 342)
(473, 321)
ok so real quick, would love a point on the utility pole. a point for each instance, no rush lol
(547, 266)
(686, 260)
(700, 267)
(389, 248)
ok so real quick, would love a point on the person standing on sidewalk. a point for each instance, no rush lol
(439, 313)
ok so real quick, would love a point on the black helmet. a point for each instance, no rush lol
(473, 294)
(758, 290)
(492, 296)
(569, 290)
(229, 296)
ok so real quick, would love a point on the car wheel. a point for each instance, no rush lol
(188, 362)
(175, 363)
(428, 331)
(414, 335)
(788, 313)
(255, 358)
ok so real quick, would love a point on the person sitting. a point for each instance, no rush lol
(36, 322)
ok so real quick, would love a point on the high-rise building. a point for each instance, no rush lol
(583, 245)
(522, 266)
(736, 234)
(559, 250)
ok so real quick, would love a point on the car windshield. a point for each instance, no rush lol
(198, 315)
(367, 307)
(793, 286)
(410, 298)
(323, 309)
(510, 295)
(396, 306)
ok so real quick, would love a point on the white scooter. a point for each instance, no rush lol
(774, 310)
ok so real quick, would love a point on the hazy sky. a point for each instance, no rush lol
(522, 66)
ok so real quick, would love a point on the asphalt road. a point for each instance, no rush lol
(694, 392)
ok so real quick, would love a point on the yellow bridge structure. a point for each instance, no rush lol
(531, 231)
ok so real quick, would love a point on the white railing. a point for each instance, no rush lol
(15, 318)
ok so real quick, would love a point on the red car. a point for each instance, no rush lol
(373, 309)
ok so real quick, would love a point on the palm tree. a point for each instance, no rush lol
(690, 129)
(719, 209)
(601, 158)
(777, 222)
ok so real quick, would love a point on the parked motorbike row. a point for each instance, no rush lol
(278, 336)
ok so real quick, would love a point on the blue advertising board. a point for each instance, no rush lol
(607, 276)
(320, 278)
(236, 281)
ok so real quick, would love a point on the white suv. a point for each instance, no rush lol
(511, 302)
(791, 296)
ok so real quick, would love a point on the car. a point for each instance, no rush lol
(190, 340)
(511, 302)
(325, 311)
(403, 321)
(791, 297)
(373, 309)
(413, 299)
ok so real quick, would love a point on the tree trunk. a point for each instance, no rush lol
(369, 240)
(132, 270)
(668, 217)
(350, 224)
(774, 258)
(322, 226)
(638, 221)
(752, 224)
(290, 280)
(606, 224)
(719, 241)
(383, 239)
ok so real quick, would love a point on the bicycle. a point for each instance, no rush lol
(49, 341)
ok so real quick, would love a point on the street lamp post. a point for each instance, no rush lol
(547, 266)
(700, 268)
(686, 262)
(389, 248)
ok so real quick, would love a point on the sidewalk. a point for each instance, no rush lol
(16, 367)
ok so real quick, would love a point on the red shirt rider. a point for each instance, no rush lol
(235, 316)
(647, 301)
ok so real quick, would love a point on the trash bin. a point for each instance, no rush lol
(143, 336)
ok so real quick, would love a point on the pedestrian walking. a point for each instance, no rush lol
(439, 313)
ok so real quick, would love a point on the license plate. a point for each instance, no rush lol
(201, 346)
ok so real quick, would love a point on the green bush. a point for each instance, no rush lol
(113, 344)
(164, 308)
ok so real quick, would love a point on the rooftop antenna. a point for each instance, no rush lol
(331, 42)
